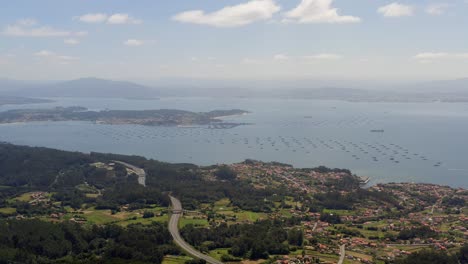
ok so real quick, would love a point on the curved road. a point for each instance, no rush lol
(174, 229)
(138, 171)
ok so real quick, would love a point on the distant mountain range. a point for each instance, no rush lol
(86, 87)
(446, 91)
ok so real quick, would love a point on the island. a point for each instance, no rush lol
(13, 100)
(70, 207)
(161, 117)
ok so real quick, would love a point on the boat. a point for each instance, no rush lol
(377, 131)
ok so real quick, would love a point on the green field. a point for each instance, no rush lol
(175, 259)
(145, 221)
(7, 210)
(100, 217)
(190, 221)
(25, 197)
(250, 216)
(218, 253)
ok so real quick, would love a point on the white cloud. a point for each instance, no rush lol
(28, 28)
(437, 9)
(115, 19)
(44, 53)
(93, 18)
(134, 43)
(19, 31)
(440, 56)
(123, 19)
(281, 57)
(317, 11)
(323, 56)
(68, 58)
(71, 41)
(232, 16)
(63, 59)
(396, 10)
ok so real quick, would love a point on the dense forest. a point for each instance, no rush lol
(35, 241)
(251, 241)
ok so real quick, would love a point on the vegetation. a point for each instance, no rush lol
(165, 117)
(252, 241)
(89, 208)
(35, 241)
(436, 257)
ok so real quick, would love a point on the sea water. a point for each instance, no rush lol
(419, 142)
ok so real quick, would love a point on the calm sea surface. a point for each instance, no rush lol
(421, 142)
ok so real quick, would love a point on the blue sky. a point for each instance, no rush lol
(234, 39)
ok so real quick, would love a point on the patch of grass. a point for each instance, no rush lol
(145, 221)
(222, 205)
(87, 188)
(196, 222)
(249, 216)
(25, 197)
(286, 213)
(8, 211)
(125, 218)
(175, 259)
(218, 253)
(100, 217)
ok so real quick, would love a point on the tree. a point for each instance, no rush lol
(428, 257)
(148, 214)
(463, 254)
(224, 172)
(295, 237)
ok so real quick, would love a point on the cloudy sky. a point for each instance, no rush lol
(234, 39)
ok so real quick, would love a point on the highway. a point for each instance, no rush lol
(174, 229)
(138, 171)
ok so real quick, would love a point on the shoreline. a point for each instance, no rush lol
(371, 181)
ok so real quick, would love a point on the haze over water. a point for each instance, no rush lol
(422, 142)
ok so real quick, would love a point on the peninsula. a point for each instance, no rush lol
(161, 117)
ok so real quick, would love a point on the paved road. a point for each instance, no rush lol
(342, 254)
(138, 171)
(174, 229)
(315, 227)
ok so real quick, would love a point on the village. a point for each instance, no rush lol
(371, 231)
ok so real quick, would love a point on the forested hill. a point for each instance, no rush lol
(69, 207)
